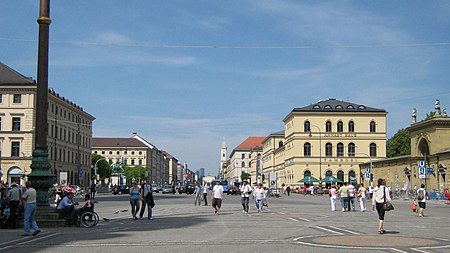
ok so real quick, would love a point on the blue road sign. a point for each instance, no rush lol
(429, 170)
(422, 168)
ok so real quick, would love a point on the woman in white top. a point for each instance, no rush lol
(379, 194)
(362, 197)
(260, 195)
(333, 197)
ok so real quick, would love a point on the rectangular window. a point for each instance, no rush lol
(132, 161)
(17, 99)
(1, 98)
(140, 162)
(16, 124)
(0, 123)
(15, 149)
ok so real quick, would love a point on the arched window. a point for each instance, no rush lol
(280, 144)
(328, 150)
(340, 175)
(328, 126)
(307, 173)
(351, 149)
(373, 149)
(307, 149)
(307, 126)
(328, 173)
(340, 150)
(340, 127)
(372, 127)
(351, 126)
(243, 164)
(351, 177)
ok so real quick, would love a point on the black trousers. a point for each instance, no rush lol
(14, 207)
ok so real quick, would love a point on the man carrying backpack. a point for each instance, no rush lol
(421, 197)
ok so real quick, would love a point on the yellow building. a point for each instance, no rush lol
(430, 142)
(327, 138)
(69, 131)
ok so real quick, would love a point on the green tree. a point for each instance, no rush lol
(134, 173)
(103, 168)
(244, 176)
(399, 144)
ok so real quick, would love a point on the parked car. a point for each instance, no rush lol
(156, 188)
(120, 189)
(188, 189)
(233, 190)
(168, 189)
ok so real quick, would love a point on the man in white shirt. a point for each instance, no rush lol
(246, 190)
(217, 196)
(30, 211)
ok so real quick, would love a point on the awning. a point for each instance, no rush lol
(308, 180)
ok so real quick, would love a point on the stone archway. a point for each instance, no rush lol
(423, 147)
(15, 174)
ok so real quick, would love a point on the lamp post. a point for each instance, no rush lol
(320, 153)
(95, 169)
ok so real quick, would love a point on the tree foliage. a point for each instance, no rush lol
(244, 176)
(399, 144)
(103, 169)
(430, 115)
(134, 173)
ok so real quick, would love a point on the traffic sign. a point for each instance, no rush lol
(429, 171)
(368, 170)
(422, 168)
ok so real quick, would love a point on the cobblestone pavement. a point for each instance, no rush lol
(290, 224)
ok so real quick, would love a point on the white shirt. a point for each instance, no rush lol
(245, 190)
(218, 190)
(259, 193)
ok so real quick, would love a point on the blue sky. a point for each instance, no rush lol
(186, 73)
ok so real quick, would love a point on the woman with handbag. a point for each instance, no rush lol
(379, 201)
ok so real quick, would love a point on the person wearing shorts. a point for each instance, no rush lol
(217, 196)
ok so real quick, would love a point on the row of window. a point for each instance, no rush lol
(15, 124)
(351, 149)
(125, 161)
(69, 136)
(17, 98)
(117, 152)
(340, 126)
(67, 115)
(67, 156)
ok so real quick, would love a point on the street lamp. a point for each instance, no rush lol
(320, 153)
(95, 169)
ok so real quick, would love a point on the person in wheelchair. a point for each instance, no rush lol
(66, 207)
(88, 206)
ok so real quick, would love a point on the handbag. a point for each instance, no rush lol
(414, 206)
(387, 206)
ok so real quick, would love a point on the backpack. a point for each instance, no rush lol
(420, 195)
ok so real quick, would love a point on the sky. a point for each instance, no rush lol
(184, 74)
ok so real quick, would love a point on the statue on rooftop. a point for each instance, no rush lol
(414, 115)
(437, 107)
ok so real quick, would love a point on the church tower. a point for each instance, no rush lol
(223, 156)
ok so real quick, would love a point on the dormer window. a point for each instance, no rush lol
(361, 107)
(316, 107)
(327, 107)
(350, 107)
(339, 107)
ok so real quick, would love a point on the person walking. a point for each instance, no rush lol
(205, 193)
(93, 190)
(288, 190)
(260, 196)
(333, 197)
(362, 197)
(246, 190)
(147, 199)
(380, 197)
(134, 199)
(217, 196)
(343, 194)
(421, 197)
(351, 197)
(198, 195)
(13, 195)
(29, 216)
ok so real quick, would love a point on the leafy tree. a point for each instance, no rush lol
(399, 144)
(244, 176)
(103, 168)
(134, 173)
